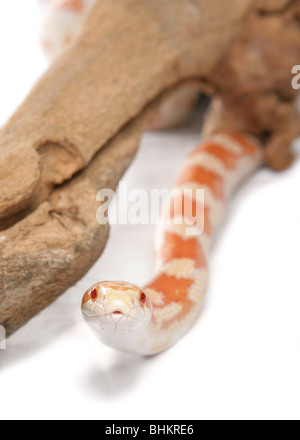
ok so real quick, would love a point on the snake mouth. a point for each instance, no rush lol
(112, 323)
(92, 314)
(116, 316)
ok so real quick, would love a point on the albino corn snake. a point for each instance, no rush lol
(149, 320)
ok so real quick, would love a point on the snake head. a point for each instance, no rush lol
(116, 309)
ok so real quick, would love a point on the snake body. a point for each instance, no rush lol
(148, 320)
(61, 24)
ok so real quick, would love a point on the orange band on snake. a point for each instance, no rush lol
(149, 320)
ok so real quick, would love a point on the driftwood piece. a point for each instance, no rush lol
(52, 248)
(272, 5)
(120, 63)
(80, 127)
(254, 87)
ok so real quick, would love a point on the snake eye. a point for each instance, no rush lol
(94, 294)
(143, 298)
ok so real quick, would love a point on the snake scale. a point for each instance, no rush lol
(149, 320)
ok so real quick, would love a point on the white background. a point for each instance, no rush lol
(240, 361)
